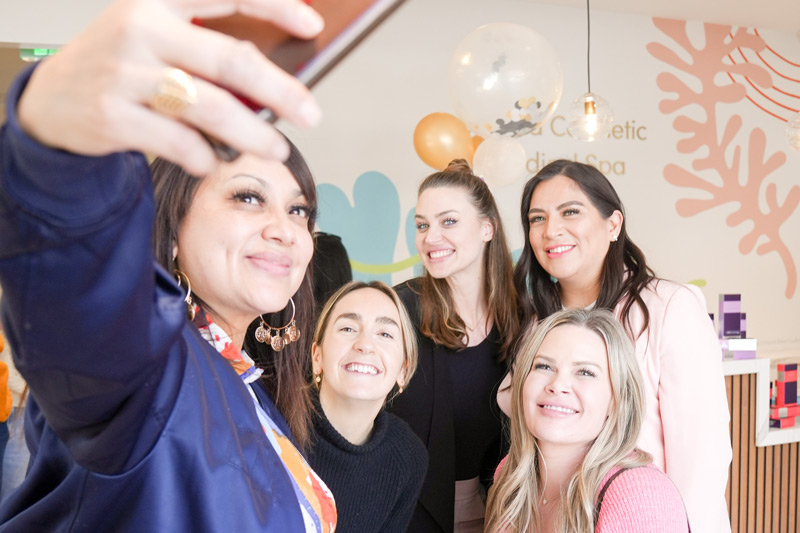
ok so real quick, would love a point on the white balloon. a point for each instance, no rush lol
(500, 160)
(504, 79)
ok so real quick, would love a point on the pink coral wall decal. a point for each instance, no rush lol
(718, 168)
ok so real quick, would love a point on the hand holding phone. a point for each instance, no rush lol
(346, 24)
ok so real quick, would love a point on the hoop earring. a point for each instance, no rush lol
(279, 340)
(188, 298)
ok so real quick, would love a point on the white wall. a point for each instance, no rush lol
(375, 98)
(32, 23)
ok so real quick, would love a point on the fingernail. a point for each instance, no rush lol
(313, 19)
(310, 113)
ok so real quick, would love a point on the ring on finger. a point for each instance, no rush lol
(175, 93)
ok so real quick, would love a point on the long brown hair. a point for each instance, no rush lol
(439, 319)
(285, 374)
(625, 272)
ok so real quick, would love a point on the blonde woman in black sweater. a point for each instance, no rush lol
(364, 351)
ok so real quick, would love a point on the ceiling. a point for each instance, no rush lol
(53, 22)
(24, 22)
(774, 14)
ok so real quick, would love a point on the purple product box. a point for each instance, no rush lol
(730, 311)
(784, 422)
(743, 325)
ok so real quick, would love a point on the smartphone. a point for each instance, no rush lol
(347, 23)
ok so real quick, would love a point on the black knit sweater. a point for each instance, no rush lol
(375, 485)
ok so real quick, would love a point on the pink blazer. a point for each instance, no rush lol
(686, 417)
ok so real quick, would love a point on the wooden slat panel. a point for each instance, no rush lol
(752, 480)
(768, 469)
(736, 417)
(761, 454)
(764, 483)
(784, 489)
(792, 503)
(744, 447)
(776, 489)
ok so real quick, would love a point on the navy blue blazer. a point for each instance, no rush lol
(135, 423)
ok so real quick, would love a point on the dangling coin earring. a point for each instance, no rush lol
(317, 380)
(188, 298)
(279, 340)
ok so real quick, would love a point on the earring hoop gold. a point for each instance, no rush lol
(188, 298)
(280, 339)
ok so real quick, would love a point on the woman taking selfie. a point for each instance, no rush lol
(145, 413)
(464, 307)
(579, 255)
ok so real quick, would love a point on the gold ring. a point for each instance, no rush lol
(176, 91)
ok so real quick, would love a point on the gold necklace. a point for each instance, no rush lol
(481, 318)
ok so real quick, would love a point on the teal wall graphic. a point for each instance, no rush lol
(369, 227)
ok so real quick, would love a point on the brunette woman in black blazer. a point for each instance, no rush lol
(464, 308)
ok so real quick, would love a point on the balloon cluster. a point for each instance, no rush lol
(504, 81)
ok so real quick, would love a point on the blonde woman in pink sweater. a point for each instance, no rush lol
(580, 255)
(577, 405)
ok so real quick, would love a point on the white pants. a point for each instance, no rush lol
(470, 507)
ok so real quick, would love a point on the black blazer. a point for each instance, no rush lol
(427, 406)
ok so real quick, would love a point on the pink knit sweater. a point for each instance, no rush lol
(639, 500)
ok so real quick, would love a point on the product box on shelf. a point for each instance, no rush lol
(730, 315)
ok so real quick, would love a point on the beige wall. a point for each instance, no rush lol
(374, 99)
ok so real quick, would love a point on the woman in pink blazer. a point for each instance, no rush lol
(580, 255)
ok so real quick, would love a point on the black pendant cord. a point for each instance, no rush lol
(588, 47)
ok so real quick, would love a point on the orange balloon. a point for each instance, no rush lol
(476, 141)
(441, 137)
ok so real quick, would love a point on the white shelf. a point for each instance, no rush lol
(765, 436)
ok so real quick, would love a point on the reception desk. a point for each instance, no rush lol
(764, 481)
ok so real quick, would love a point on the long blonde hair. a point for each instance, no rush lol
(514, 498)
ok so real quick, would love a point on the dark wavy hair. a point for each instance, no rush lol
(625, 272)
(439, 320)
(331, 266)
(285, 374)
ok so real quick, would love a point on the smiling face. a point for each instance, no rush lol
(567, 395)
(451, 234)
(568, 235)
(244, 242)
(361, 354)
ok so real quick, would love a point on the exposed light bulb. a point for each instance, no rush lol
(590, 117)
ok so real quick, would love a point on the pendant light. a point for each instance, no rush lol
(590, 116)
